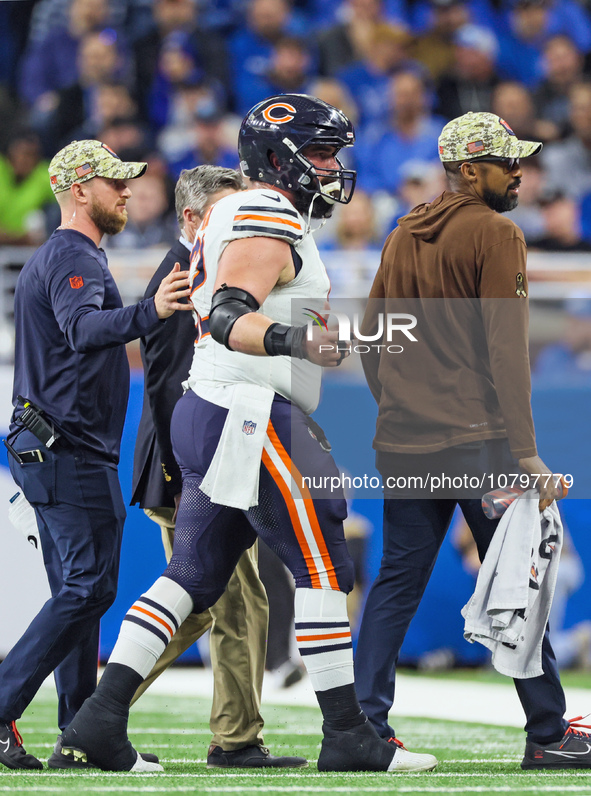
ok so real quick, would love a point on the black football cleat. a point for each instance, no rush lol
(98, 736)
(361, 749)
(12, 752)
(572, 751)
(73, 758)
(250, 757)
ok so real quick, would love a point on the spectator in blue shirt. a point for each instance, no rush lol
(178, 67)
(529, 24)
(368, 79)
(210, 143)
(251, 49)
(51, 64)
(177, 18)
(177, 137)
(410, 133)
(100, 61)
(289, 71)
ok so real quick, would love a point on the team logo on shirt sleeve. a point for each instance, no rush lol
(76, 282)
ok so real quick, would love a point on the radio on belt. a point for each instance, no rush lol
(33, 419)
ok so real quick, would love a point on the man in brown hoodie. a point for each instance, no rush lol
(454, 406)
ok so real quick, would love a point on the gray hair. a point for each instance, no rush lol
(196, 186)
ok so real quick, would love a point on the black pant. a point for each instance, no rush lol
(80, 514)
(414, 530)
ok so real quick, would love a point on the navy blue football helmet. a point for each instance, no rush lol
(285, 125)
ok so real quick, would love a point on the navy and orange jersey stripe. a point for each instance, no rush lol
(201, 327)
(198, 264)
(276, 222)
(301, 511)
(198, 257)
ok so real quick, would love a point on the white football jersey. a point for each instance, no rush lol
(265, 213)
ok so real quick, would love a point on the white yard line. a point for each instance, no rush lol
(337, 789)
(457, 700)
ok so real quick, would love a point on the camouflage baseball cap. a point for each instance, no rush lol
(475, 135)
(82, 160)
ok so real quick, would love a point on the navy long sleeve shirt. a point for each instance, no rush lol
(70, 334)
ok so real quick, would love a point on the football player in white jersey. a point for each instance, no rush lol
(245, 443)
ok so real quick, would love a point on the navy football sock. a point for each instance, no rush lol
(117, 687)
(340, 708)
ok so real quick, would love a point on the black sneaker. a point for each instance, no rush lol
(362, 749)
(250, 757)
(98, 735)
(72, 758)
(572, 751)
(12, 751)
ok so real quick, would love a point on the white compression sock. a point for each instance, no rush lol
(324, 637)
(149, 625)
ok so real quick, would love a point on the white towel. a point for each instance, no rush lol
(233, 475)
(509, 609)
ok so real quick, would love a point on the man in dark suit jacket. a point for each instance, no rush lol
(238, 657)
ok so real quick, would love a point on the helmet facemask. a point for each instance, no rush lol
(313, 192)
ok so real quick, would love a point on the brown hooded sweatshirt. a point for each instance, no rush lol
(460, 269)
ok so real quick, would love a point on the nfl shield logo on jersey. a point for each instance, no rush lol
(248, 427)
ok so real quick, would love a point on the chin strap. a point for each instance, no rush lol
(309, 221)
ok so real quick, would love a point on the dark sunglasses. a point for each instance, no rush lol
(508, 164)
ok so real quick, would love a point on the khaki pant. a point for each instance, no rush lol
(238, 643)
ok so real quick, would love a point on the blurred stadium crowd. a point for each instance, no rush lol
(169, 80)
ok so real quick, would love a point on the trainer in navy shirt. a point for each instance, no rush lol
(70, 361)
(71, 327)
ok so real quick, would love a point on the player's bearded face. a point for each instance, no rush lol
(323, 158)
(109, 221)
(321, 208)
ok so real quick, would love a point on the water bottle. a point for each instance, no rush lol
(496, 503)
(22, 516)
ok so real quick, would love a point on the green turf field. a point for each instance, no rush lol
(474, 758)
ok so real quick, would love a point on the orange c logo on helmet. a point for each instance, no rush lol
(281, 107)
